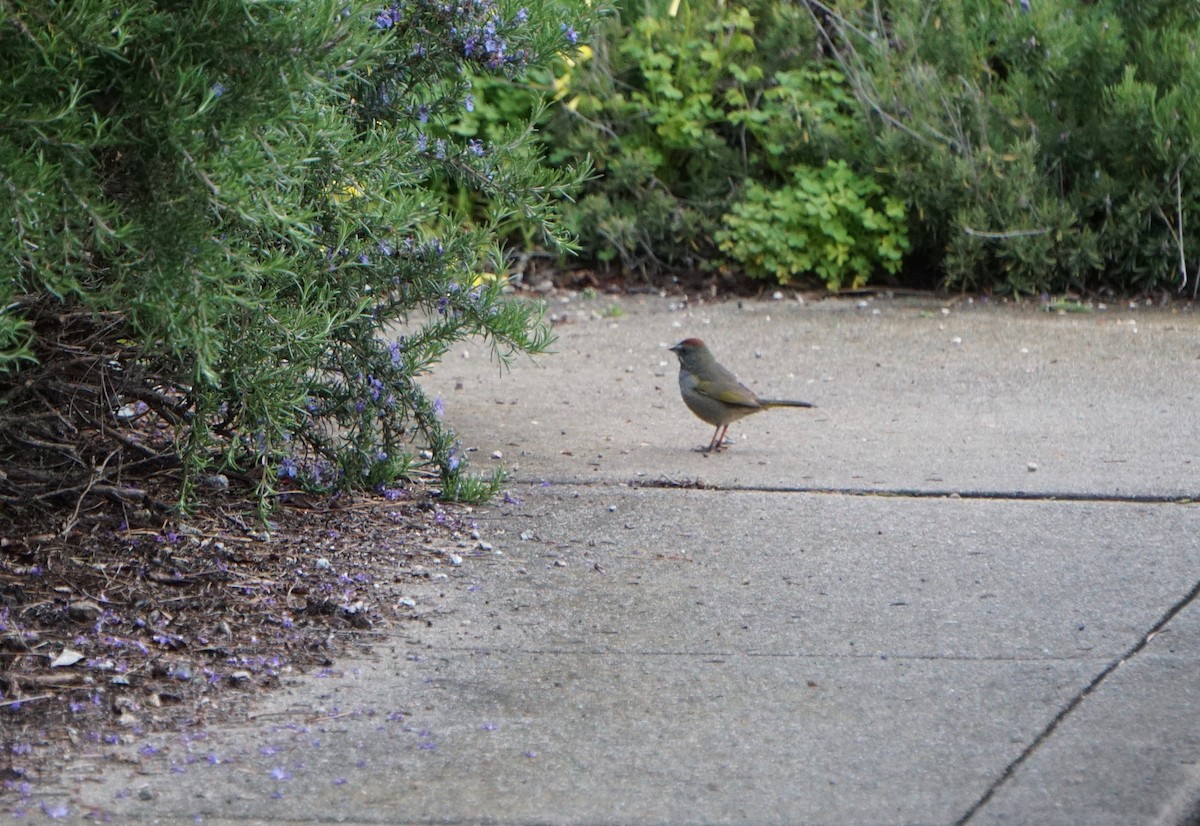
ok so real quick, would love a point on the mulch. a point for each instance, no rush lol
(142, 622)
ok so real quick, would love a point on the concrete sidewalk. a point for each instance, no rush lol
(962, 590)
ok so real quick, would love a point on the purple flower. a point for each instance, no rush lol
(217, 89)
(388, 17)
(570, 33)
(288, 468)
(439, 407)
(469, 103)
(475, 146)
(376, 388)
(280, 773)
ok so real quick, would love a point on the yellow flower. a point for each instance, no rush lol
(486, 277)
(345, 192)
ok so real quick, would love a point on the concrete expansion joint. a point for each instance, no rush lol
(665, 483)
(1186, 600)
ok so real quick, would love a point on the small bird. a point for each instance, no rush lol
(714, 394)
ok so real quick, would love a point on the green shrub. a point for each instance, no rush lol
(679, 114)
(827, 221)
(230, 211)
(1040, 150)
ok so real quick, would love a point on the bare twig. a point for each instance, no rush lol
(1012, 233)
(855, 75)
(97, 475)
(21, 700)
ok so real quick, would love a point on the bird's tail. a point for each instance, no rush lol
(784, 403)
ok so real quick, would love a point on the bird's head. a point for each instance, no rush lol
(691, 351)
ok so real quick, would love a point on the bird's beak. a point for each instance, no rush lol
(675, 349)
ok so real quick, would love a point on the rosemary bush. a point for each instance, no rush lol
(218, 213)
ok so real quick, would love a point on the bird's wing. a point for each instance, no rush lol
(738, 394)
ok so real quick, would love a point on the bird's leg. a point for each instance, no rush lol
(724, 436)
(718, 438)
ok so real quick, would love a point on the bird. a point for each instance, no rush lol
(714, 394)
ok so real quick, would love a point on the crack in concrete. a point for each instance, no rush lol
(1075, 702)
(918, 493)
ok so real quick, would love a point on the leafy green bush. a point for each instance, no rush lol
(680, 113)
(1042, 147)
(827, 221)
(228, 211)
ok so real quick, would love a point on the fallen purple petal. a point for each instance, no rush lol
(55, 810)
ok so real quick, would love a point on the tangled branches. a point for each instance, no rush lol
(93, 420)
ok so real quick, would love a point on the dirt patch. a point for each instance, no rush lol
(143, 624)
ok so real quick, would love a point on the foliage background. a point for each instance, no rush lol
(1040, 146)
